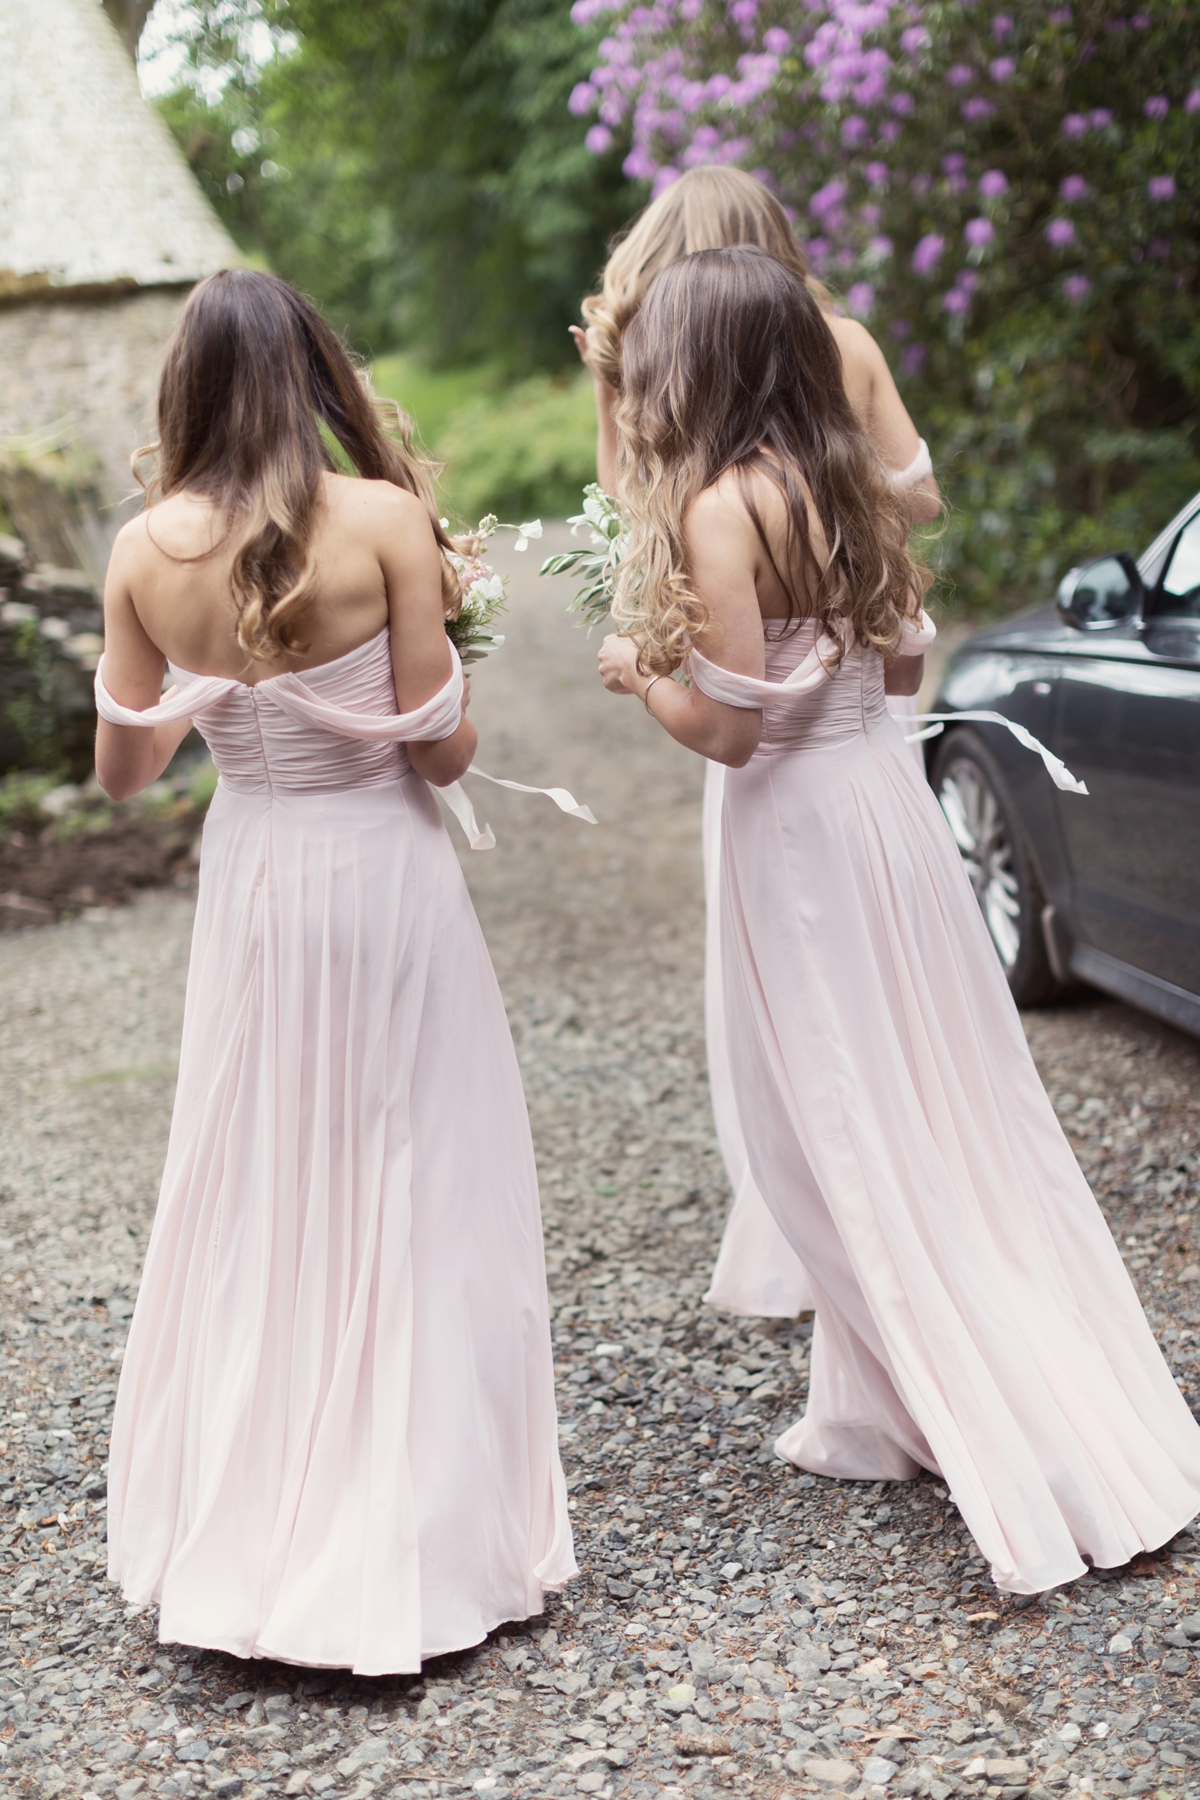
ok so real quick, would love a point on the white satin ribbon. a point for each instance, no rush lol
(935, 723)
(482, 837)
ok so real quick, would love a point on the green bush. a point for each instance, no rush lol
(522, 451)
(431, 396)
(202, 785)
(21, 795)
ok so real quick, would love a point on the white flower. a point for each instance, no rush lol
(524, 532)
(490, 589)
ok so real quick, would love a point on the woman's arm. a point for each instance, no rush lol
(421, 656)
(130, 757)
(723, 550)
(903, 674)
(606, 400)
(877, 401)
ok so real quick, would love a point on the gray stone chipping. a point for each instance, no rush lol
(738, 1628)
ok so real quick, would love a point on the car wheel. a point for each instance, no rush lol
(987, 828)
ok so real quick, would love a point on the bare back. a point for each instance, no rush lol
(169, 597)
(178, 572)
(734, 577)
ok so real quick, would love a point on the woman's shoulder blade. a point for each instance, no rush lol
(382, 498)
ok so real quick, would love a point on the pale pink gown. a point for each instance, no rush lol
(973, 1313)
(335, 1439)
(757, 1272)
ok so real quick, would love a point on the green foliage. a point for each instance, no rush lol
(525, 450)
(412, 165)
(203, 785)
(1039, 460)
(21, 795)
(594, 566)
(33, 715)
(430, 396)
(1007, 193)
(84, 821)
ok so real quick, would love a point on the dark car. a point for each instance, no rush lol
(1103, 889)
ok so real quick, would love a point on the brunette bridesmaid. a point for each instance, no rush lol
(973, 1315)
(335, 1439)
(714, 208)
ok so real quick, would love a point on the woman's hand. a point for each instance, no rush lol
(585, 343)
(618, 665)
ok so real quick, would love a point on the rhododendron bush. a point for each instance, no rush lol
(1005, 191)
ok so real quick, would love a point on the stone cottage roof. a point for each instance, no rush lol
(94, 194)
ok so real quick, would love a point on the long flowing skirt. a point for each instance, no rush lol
(335, 1439)
(757, 1273)
(973, 1313)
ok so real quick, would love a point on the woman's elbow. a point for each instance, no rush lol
(117, 785)
(446, 771)
(735, 748)
(444, 763)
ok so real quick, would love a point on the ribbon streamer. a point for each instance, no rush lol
(482, 837)
(935, 723)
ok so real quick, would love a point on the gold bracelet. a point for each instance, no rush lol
(646, 695)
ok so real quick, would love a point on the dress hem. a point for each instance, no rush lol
(263, 1654)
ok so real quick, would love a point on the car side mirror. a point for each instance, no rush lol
(1108, 591)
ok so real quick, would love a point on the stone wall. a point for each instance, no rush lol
(84, 372)
(50, 643)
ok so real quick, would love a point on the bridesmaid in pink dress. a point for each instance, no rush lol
(713, 208)
(335, 1439)
(974, 1316)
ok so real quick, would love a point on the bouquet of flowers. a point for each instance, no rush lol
(484, 594)
(597, 565)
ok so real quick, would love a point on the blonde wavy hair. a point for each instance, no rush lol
(729, 364)
(256, 391)
(709, 208)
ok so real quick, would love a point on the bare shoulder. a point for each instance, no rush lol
(860, 353)
(136, 546)
(717, 508)
(722, 507)
(349, 497)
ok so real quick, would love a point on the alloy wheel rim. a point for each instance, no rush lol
(973, 813)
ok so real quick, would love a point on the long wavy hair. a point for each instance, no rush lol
(256, 392)
(729, 364)
(709, 208)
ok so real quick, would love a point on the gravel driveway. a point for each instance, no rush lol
(738, 1627)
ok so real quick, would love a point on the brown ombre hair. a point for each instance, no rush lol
(254, 387)
(729, 364)
(710, 208)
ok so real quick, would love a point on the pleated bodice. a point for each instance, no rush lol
(260, 745)
(850, 702)
(809, 700)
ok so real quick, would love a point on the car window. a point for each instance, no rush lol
(1180, 591)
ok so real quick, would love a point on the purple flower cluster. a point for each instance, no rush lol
(831, 101)
(652, 77)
